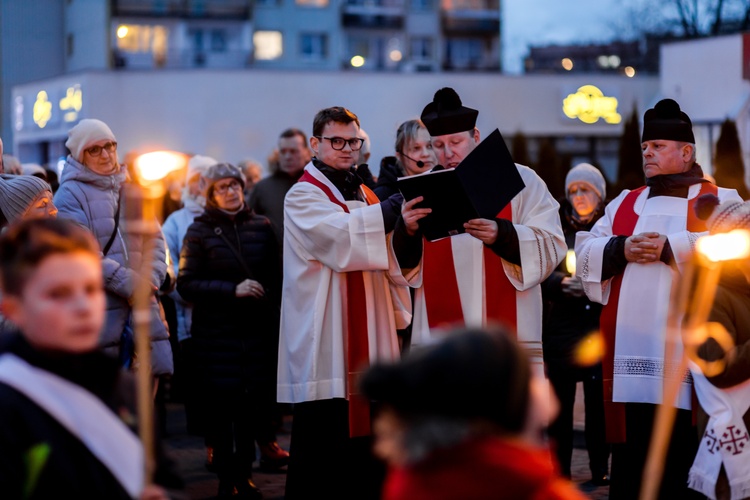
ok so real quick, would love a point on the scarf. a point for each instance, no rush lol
(675, 184)
(725, 441)
(346, 181)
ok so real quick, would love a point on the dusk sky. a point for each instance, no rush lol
(543, 22)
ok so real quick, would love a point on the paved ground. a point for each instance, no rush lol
(201, 484)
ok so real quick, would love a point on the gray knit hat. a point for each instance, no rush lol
(217, 172)
(18, 192)
(724, 217)
(585, 172)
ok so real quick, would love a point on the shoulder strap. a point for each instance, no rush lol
(117, 226)
(235, 251)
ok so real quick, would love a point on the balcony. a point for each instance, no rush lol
(373, 14)
(211, 9)
(471, 22)
(181, 59)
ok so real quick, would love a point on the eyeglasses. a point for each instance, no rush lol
(111, 147)
(338, 143)
(224, 188)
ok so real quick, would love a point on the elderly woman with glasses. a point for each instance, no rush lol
(230, 272)
(89, 194)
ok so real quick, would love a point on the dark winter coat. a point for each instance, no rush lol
(70, 470)
(388, 178)
(567, 319)
(235, 338)
(90, 199)
(267, 198)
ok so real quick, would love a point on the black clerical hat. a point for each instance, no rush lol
(667, 122)
(445, 114)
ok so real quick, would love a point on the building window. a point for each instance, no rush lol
(420, 4)
(313, 46)
(421, 48)
(218, 41)
(267, 45)
(312, 3)
(69, 44)
(139, 38)
(267, 3)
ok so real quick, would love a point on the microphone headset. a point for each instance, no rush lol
(419, 163)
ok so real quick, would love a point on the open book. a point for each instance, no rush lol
(479, 187)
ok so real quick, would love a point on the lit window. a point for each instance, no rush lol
(267, 45)
(141, 38)
(313, 46)
(312, 3)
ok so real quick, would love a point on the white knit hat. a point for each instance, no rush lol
(18, 192)
(86, 132)
(198, 165)
(585, 172)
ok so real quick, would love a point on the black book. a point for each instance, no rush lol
(479, 187)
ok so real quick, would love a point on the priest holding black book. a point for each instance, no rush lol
(491, 271)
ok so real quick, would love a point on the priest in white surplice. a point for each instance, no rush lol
(492, 272)
(339, 312)
(627, 262)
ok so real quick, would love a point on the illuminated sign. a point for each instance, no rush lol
(42, 109)
(71, 104)
(589, 104)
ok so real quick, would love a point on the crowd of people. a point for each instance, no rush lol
(419, 369)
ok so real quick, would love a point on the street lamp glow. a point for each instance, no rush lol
(395, 55)
(122, 31)
(733, 245)
(357, 61)
(157, 165)
(567, 63)
(629, 71)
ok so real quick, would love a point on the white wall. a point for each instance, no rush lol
(232, 115)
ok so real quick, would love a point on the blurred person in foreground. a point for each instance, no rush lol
(627, 262)
(462, 419)
(67, 412)
(90, 194)
(721, 469)
(267, 198)
(230, 272)
(570, 319)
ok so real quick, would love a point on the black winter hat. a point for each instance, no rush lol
(666, 121)
(446, 115)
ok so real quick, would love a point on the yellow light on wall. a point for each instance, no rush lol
(42, 111)
(72, 103)
(567, 64)
(122, 31)
(589, 104)
(357, 61)
(733, 245)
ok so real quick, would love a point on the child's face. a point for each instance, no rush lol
(62, 304)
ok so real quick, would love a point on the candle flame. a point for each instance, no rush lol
(158, 164)
(570, 262)
(733, 245)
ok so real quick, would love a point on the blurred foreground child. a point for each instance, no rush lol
(67, 411)
(461, 420)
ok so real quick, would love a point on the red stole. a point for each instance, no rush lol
(623, 225)
(442, 300)
(356, 340)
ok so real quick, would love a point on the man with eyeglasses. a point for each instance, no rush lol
(89, 194)
(340, 310)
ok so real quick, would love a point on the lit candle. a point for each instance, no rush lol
(570, 262)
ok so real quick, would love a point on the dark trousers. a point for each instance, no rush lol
(564, 380)
(324, 461)
(629, 458)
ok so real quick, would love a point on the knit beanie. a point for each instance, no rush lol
(86, 132)
(724, 217)
(666, 121)
(446, 115)
(585, 172)
(18, 192)
(197, 165)
(217, 172)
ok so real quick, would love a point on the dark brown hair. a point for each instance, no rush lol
(335, 114)
(27, 243)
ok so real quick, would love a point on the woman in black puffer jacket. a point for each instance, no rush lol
(230, 272)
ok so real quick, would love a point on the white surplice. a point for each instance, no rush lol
(639, 364)
(542, 247)
(321, 244)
